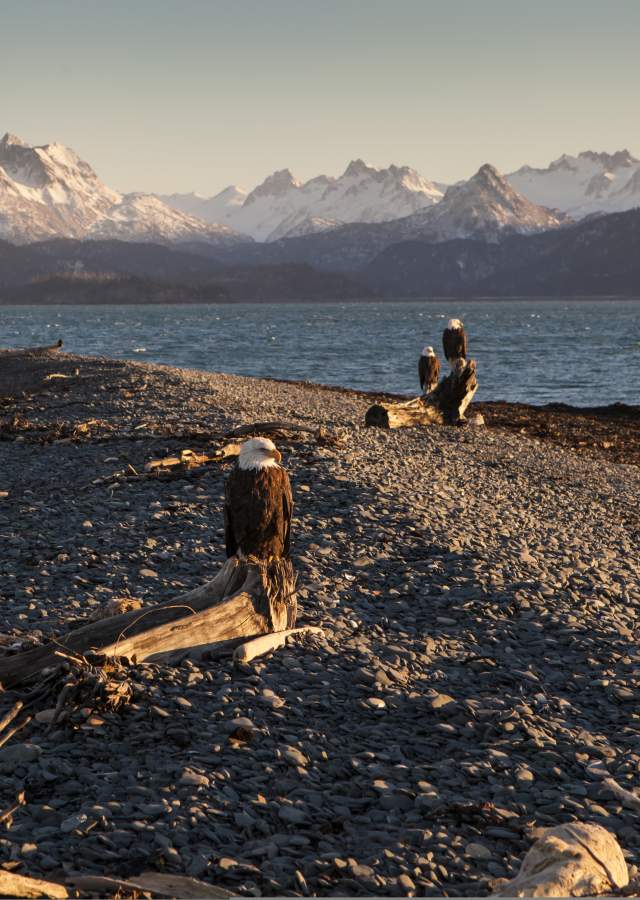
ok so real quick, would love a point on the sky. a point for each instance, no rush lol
(189, 95)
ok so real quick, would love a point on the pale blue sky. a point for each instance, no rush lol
(198, 94)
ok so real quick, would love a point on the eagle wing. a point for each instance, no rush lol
(435, 369)
(287, 512)
(454, 343)
(422, 371)
(447, 343)
(229, 535)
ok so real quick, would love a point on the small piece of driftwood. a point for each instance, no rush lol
(10, 716)
(7, 814)
(189, 459)
(266, 642)
(625, 797)
(246, 599)
(13, 885)
(445, 405)
(158, 884)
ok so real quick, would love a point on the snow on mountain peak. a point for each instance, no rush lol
(357, 168)
(590, 182)
(274, 186)
(489, 176)
(231, 194)
(11, 140)
(485, 206)
(282, 206)
(610, 161)
(48, 191)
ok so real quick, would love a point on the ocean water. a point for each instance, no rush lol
(582, 352)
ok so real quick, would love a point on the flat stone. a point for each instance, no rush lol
(376, 702)
(292, 815)
(193, 778)
(478, 851)
(295, 757)
(17, 755)
(440, 701)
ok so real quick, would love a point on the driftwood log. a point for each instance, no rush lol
(155, 884)
(247, 598)
(14, 885)
(445, 405)
(51, 348)
(190, 459)
(268, 428)
(577, 859)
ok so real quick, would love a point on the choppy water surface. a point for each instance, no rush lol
(573, 351)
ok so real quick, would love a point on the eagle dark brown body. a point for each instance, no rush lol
(428, 372)
(257, 512)
(454, 341)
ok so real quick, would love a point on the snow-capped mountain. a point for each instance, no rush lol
(485, 207)
(217, 210)
(282, 206)
(49, 191)
(584, 184)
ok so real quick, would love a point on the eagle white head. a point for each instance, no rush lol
(258, 453)
(455, 325)
(427, 351)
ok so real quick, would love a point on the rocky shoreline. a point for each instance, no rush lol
(478, 675)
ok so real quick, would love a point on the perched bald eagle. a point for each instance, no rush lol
(454, 342)
(258, 503)
(428, 370)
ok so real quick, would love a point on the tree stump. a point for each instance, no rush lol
(445, 405)
(247, 598)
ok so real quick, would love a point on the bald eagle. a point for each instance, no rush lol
(428, 370)
(258, 503)
(454, 342)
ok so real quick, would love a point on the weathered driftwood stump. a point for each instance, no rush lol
(246, 599)
(445, 405)
(578, 859)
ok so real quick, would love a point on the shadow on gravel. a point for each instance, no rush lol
(497, 697)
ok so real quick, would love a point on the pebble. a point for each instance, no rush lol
(294, 756)
(16, 755)
(193, 778)
(292, 815)
(478, 851)
(376, 702)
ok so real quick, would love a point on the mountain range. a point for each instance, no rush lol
(595, 257)
(485, 207)
(282, 206)
(584, 184)
(384, 231)
(49, 191)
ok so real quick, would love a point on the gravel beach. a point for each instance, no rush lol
(478, 677)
